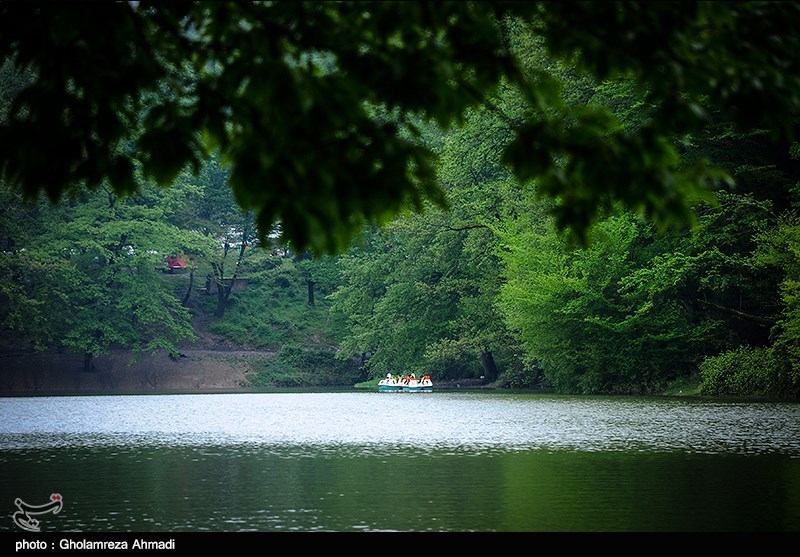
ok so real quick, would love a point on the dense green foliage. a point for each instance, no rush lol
(471, 189)
(315, 105)
(86, 275)
(744, 371)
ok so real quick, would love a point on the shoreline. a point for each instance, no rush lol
(121, 372)
(126, 372)
(198, 370)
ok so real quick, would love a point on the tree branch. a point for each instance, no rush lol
(757, 318)
(468, 227)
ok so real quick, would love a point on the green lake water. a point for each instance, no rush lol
(406, 462)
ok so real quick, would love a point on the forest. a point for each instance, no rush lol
(579, 197)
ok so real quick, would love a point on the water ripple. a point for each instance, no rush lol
(454, 423)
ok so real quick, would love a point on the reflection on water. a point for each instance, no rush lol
(456, 421)
(353, 461)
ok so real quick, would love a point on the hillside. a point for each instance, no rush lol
(269, 336)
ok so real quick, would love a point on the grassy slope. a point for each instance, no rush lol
(272, 314)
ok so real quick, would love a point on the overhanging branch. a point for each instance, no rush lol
(757, 318)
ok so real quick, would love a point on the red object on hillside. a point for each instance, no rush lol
(175, 263)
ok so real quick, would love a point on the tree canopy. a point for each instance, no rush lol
(315, 106)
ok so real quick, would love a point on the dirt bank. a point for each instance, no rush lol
(197, 370)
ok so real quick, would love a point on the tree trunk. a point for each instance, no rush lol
(218, 281)
(489, 367)
(310, 284)
(185, 301)
(88, 364)
(223, 291)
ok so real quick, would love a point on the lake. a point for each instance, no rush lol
(463, 461)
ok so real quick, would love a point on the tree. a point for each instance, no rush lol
(289, 93)
(212, 210)
(780, 363)
(319, 273)
(420, 293)
(662, 301)
(86, 275)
